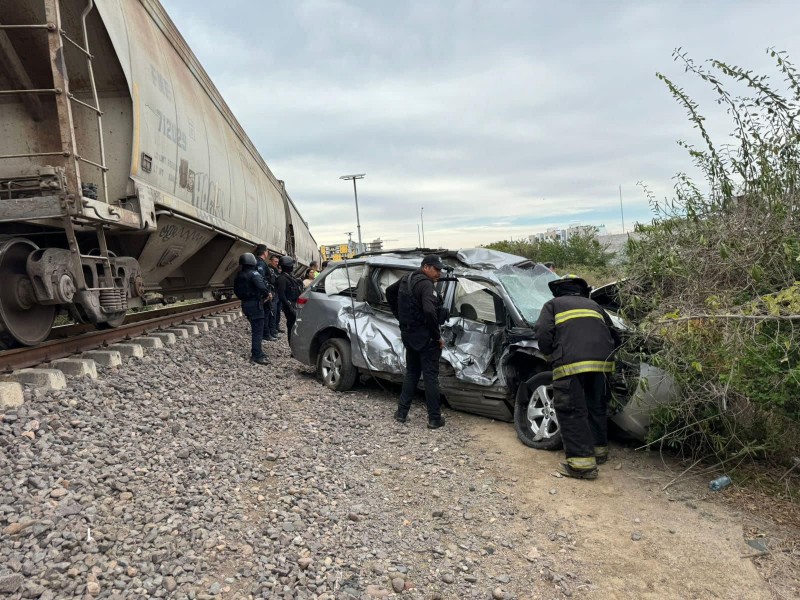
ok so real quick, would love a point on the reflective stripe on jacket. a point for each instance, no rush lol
(578, 335)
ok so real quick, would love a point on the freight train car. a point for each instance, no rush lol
(122, 169)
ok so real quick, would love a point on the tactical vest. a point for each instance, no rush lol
(409, 308)
(266, 272)
(243, 285)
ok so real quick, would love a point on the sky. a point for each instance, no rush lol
(500, 118)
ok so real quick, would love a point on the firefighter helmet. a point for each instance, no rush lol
(570, 281)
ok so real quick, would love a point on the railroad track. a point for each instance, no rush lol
(66, 331)
(75, 339)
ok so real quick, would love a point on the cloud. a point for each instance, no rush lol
(500, 119)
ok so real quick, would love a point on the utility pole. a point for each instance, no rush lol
(622, 214)
(355, 193)
(419, 239)
(422, 222)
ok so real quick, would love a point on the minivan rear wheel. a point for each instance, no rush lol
(535, 418)
(334, 366)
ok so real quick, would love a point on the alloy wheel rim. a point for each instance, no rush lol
(331, 366)
(541, 413)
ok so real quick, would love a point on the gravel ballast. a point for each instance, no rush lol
(192, 473)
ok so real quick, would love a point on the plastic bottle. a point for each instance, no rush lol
(719, 483)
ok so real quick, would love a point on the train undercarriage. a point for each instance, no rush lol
(105, 200)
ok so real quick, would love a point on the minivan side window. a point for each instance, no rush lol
(341, 280)
(474, 302)
(379, 280)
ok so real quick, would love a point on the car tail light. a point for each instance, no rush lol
(301, 301)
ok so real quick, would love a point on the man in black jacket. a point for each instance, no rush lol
(417, 306)
(250, 288)
(266, 274)
(580, 339)
(289, 289)
(275, 308)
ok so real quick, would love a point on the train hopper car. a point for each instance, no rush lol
(122, 169)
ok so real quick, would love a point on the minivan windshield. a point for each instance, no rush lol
(527, 288)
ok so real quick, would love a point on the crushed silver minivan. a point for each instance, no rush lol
(491, 364)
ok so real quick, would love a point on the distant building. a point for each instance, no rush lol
(375, 245)
(557, 234)
(336, 252)
(349, 249)
(552, 235)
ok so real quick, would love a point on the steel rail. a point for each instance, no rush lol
(20, 358)
(59, 332)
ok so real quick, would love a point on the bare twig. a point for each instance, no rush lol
(792, 468)
(686, 470)
(755, 554)
(738, 317)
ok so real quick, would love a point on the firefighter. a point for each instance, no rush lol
(418, 308)
(580, 339)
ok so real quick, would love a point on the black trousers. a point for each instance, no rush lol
(268, 319)
(257, 334)
(422, 362)
(581, 405)
(291, 317)
(275, 316)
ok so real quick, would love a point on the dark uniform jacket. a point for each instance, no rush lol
(254, 291)
(272, 274)
(282, 286)
(578, 335)
(266, 274)
(415, 303)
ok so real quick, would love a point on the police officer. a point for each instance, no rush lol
(288, 289)
(580, 339)
(250, 288)
(418, 307)
(269, 278)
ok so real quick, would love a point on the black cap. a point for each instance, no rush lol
(433, 260)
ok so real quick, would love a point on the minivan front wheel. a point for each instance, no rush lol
(334, 366)
(535, 418)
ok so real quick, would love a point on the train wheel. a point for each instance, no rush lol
(22, 320)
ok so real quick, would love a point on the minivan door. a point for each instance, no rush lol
(474, 333)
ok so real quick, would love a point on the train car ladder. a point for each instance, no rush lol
(64, 100)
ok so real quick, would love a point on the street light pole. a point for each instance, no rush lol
(422, 221)
(355, 193)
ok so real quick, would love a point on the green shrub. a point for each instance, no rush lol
(714, 275)
(581, 254)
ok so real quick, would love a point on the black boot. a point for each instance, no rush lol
(567, 471)
(436, 423)
(400, 416)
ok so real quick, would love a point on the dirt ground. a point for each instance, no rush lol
(636, 540)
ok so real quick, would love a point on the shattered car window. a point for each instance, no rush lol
(527, 289)
(477, 299)
(344, 279)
